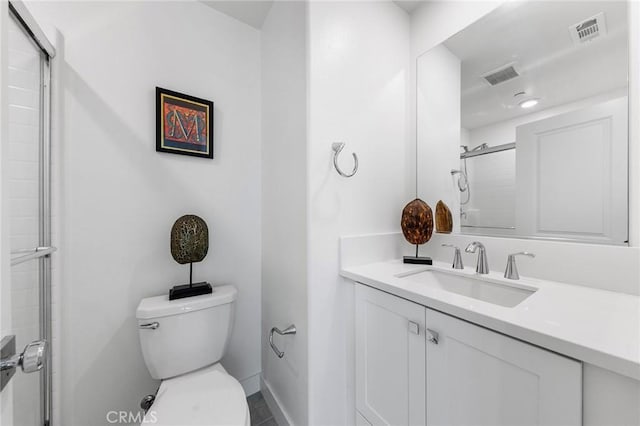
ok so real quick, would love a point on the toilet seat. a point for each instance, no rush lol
(209, 396)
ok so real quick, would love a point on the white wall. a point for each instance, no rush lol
(634, 125)
(505, 131)
(438, 128)
(435, 21)
(284, 219)
(431, 24)
(358, 94)
(119, 197)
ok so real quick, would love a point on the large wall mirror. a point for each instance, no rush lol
(522, 122)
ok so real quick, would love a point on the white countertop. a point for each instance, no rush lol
(595, 326)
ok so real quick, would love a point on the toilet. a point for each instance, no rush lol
(182, 343)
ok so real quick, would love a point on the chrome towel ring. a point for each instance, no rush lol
(337, 148)
(289, 330)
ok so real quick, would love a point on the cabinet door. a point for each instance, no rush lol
(390, 358)
(479, 377)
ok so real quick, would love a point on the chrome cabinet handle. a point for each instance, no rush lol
(289, 330)
(433, 336)
(150, 325)
(414, 327)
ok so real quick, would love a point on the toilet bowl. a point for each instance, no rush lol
(182, 343)
(205, 397)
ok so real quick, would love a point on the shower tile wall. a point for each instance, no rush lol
(23, 188)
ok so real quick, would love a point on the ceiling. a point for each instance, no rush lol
(254, 12)
(408, 5)
(251, 12)
(552, 67)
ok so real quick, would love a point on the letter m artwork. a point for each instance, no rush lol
(185, 124)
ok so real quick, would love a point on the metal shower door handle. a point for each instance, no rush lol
(289, 330)
(32, 358)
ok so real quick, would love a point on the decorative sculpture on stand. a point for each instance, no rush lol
(444, 219)
(189, 244)
(417, 227)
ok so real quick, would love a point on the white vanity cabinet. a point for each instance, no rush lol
(417, 366)
(390, 358)
(479, 377)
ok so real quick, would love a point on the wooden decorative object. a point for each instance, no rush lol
(417, 228)
(444, 219)
(189, 244)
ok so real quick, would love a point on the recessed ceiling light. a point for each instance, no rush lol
(529, 103)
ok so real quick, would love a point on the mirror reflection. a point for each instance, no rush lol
(522, 122)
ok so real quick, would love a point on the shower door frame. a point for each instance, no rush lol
(19, 12)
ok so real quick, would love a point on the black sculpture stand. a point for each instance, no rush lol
(417, 260)
(191, 289)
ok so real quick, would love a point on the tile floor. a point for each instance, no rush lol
(260, 413)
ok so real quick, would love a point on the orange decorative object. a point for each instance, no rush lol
(444, 219)
(417, 222)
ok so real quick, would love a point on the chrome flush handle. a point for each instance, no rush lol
(150, 326)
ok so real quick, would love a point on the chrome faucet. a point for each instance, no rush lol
(512, 270)
(482, 267)
(457, 257)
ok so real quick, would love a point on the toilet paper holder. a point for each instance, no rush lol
(289, 330)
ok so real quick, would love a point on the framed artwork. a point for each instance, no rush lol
(184, 124)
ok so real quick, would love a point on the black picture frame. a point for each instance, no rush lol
(184, 124)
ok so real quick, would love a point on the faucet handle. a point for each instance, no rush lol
(512, 270)
(472, 247)
(523, 253)
(457, 257)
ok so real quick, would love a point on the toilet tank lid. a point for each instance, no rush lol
(161, 306)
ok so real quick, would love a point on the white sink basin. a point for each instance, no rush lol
(474, 287)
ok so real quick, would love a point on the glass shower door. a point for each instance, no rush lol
(28, 216)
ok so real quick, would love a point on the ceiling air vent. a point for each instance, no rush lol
(501, 74)
(588, 29)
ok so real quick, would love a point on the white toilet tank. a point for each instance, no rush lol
(183, 335)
